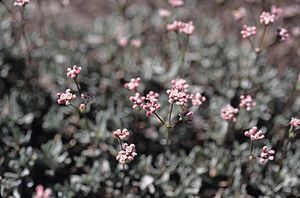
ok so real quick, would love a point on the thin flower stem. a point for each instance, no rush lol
(123, 181)
(251, 149)
(262, 37)
(23, 33)
(77, 85)
(170, 113)
(160, 119)
(74, 107)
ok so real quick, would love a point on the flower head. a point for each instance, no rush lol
(127, 154)
(82, 107)
(295, 122)
(40, 192)
(164, 13)
(229, 113)
(266, 155)
(178, 93)
(122, 134)
(197, 99)
(65, 98)
(133, 84)
(73, 72)
(21, 3)
(248, 31)
(186, 28)
(276, 11)
(254, 134)
(176, 3)
(123, 41)
(266, 18)
(138, 100)
(246, 102)
(239, 13)
(283, 34)
(151, 103)
(136, 43)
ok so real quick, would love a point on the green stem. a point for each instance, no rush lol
(262, 37)
(77, 85)
(161, 120)
(251, 149)
(170, 113)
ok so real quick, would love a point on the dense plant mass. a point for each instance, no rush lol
(162, 98)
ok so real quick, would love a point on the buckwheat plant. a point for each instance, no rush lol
(294, 127)
(41, 192)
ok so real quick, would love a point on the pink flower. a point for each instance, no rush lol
(122, 134)
(246, 102)
(127, 154)
(65, 98)
(138, 100)
(176, 3)
(136, 43)
(239, 13)
(151, 103)
(180, 84)
(283, 34)
(82, 107)
(295, 122)
(73, 72)
(229, 113)
(164, 13)
(276, 11)
(266, 155)
(133, 84)
(197, 99)
(254, 134)
(187, 28)
(21, 3)
(266, 18)
(178, 93)
(248, 31)
(40, 192)
(123, 41)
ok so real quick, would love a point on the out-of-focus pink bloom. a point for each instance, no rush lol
(295, 122)
(82, 107)
(40, 192)
(276, 11)
(246, 102)
(239, 13)
(73, 72)
(122, 134)
(254, 134)
(164, 13)
(266, 155)
(180, 84)
(176, 3)
(186, 28)
(197, 99)
(178, 93)
(136, 43)
(133, 84)
(151, 103)
(21, 3)
(123, 41)
(127, 154)
(65, 98)
(266, 18)
(248, 31)
(283, 34)
(229, 113)
(138, 100)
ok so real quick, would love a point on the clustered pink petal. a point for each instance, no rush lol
(239, 13)
(40, 192)
(151, 104)
(138, 100)
(197, 99)
(21, 3)
(276, 11)
(246, 102)
(176, 3)
(266, 18)
(127, 154)
(266, 155)
(133, 84)
(248, 31)
(123, 41)
(164, 13)
(73, 72)
(122, 134)
(229, 113)
(65, 98)
(283, 34)
(180, 84)
(295, 122)
(254, 134)
(136, 43)
(178, 93)
(186, 28)
(82, 107)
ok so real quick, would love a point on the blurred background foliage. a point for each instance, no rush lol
(44, 143)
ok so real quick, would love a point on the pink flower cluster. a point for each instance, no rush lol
(65, 98)
(266, 155)
(254, 134)
(186, 28)
(176, 3)
(266, 18)
(21, 3)
(276, 11)
(239, 13)
(73, 72)
(283, 34)
(123, 42)
(295, 122)
(40, 192)
(229, 113)
(164, 13)
(246, 102)
(133, 84)
(121, 134)
(151, 104)
(248, 31)
(179, 94)
(127, 154)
